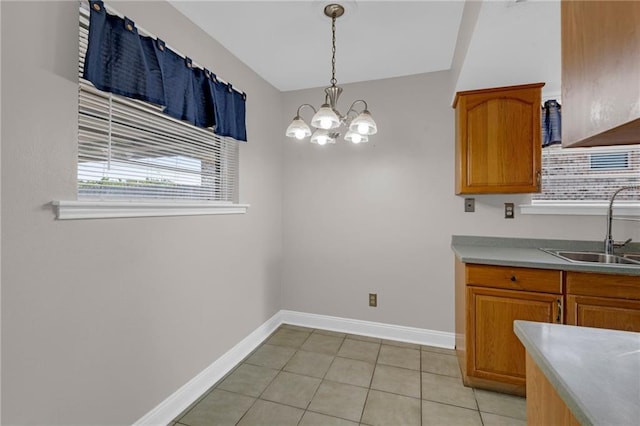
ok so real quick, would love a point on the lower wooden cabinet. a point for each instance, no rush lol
(491, 298)
(495, 352)
(603, 301)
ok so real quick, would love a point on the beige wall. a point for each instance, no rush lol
(378, 217)
(103, 319)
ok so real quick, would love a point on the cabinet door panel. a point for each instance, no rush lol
(499, 137)
(496, 352)
(600, 312)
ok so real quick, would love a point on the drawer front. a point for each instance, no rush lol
(515, 278)
(603, 285)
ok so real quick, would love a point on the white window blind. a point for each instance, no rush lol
(130, 150)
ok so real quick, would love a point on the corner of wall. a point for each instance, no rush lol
(468, 22)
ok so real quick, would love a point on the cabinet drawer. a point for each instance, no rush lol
(515, 278)
(603, 285)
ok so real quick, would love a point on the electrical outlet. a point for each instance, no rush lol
(373, 299)
(509, 211)
(469, 205)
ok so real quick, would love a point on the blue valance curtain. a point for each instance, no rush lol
(121, 61)
(551, 123)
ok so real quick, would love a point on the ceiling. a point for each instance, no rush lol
(288, 43)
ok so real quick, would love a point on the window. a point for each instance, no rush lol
(588, 174)
(610, 161)
(130, 150)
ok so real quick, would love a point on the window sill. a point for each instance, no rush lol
(118, 209)
(578, 208)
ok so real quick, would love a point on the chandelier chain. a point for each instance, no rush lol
(333, 50)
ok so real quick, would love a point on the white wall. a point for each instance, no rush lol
(103, 319)
(378, 217)
(514, 43)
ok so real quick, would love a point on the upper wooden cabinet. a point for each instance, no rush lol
(600, 72)
(498, 145)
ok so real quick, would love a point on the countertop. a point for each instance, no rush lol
(596, 372)
(526, 253)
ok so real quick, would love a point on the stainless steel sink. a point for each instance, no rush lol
(632, 256)
(594, 257)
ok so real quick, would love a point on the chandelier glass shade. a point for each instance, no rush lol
(327, 120)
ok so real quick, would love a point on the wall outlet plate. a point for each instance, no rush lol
(373, 299)
(509, 211)
(469, 205)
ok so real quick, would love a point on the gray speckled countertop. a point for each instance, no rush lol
(596, 372)
(526, 253)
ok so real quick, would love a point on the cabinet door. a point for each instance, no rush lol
(600, 72)
(495, 352)
(601, 312)
(498, 140)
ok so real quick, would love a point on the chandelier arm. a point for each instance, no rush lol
(304, 105)
(355, 102)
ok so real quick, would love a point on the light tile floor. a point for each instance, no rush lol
(303, 376)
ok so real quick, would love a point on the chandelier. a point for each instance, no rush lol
(327, 120)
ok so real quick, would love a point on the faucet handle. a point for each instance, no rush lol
(618, 245)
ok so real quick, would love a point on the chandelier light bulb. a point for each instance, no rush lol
(355, 137)
(298, 129)
(325, 118)
(364, 124)
(322, 137)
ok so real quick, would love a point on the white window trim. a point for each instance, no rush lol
(581, 208)
(121, 209)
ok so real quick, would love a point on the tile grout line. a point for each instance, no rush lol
(274, 377)
(321, 379)
(375, 366)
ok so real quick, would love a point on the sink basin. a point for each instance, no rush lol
(594, 257)
(632, 256)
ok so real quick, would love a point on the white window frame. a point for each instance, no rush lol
(128, 208)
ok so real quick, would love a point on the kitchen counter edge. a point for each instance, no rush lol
(527, 253)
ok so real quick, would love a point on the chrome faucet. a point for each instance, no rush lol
(609, 243)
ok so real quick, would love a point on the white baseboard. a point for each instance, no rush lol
(420, 336)
(176, 403)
